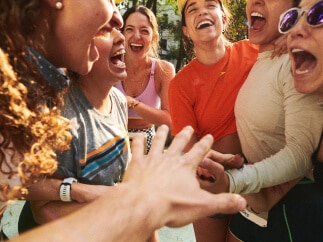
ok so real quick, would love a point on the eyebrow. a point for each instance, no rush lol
(194, 3)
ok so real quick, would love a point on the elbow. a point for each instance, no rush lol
(42, 214)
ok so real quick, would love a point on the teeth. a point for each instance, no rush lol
(299, 72)
(297, 50)
(138, 45)
(121, 52)
(120, 64)
(255, 14)
(203, 22)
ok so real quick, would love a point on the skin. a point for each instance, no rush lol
(178, 202)
(96, 86)
(209, 47)
(138, 31)
(308, 79)
(173, 197)
(208, 42)
(306, 38)
(73, 41)
(264, 35)
(268, 32)
(267, 198)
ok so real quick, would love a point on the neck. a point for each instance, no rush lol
(208, 54)
(97, 93)
(135, 65)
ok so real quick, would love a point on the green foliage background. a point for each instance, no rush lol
(238, 24)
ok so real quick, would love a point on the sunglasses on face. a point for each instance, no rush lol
(314, 17)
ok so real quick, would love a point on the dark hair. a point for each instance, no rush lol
(188, 43)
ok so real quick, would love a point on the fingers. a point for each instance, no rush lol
(199, 150)
(159, 140)
(213, 168)
(180, 140)
(138, 146)
(207, 205)
(227, 203)
(229, 161)
(280, 46)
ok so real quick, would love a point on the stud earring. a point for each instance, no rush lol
(59, 5)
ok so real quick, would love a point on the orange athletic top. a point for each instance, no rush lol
(204, 96)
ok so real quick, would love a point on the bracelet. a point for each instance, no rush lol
(133, 103)
(65, 189)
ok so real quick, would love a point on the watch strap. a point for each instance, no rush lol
(65, 189)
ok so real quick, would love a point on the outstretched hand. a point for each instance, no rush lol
(167, 180)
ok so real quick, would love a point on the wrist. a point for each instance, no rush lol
(65, 189)
(133, 103)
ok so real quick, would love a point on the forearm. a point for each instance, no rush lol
(48, 190)
(150, 114)
(90, 223)
(282, 167)
(45, 212)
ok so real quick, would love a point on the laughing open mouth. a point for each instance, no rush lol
(118, 58)
(204, 24)
(136, 47)
(304, 61)
(258, 21)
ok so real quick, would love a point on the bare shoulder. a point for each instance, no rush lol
(165, 69)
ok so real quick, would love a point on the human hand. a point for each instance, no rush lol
(280, 46)
(228, 161)
(212, 176)
(211, 171)
(167, 183)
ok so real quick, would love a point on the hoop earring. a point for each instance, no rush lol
(58, 5)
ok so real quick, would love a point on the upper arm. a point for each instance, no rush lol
(165, 72)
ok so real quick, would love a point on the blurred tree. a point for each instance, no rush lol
(238, 24)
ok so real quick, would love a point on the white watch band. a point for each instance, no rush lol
(65, 189)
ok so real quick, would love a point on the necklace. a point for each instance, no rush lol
(136, 85)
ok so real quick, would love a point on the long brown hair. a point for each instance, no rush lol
(153, 22)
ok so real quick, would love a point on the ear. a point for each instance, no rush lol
(224, 21)
(185, 32)
(53, 3)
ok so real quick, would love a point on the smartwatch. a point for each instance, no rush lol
(65, 189)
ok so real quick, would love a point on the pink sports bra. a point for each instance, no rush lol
(149, 96)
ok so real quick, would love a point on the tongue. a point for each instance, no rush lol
(258, 23)
(136, 48)
(307, 65)
(305, 61)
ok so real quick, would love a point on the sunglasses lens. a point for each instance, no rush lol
(288, 20)
(315, 14)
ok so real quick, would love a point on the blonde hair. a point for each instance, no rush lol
(30, 123)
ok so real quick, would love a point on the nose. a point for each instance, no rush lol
(301, 28)
(116, 20)
(118, 36)
(202, 12)
(255, 2)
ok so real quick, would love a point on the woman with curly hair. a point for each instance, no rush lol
(169, 197)
(39, 37)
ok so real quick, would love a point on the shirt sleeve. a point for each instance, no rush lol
(181, 103)
(303, 128)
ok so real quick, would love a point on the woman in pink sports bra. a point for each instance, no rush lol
(146, 86)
